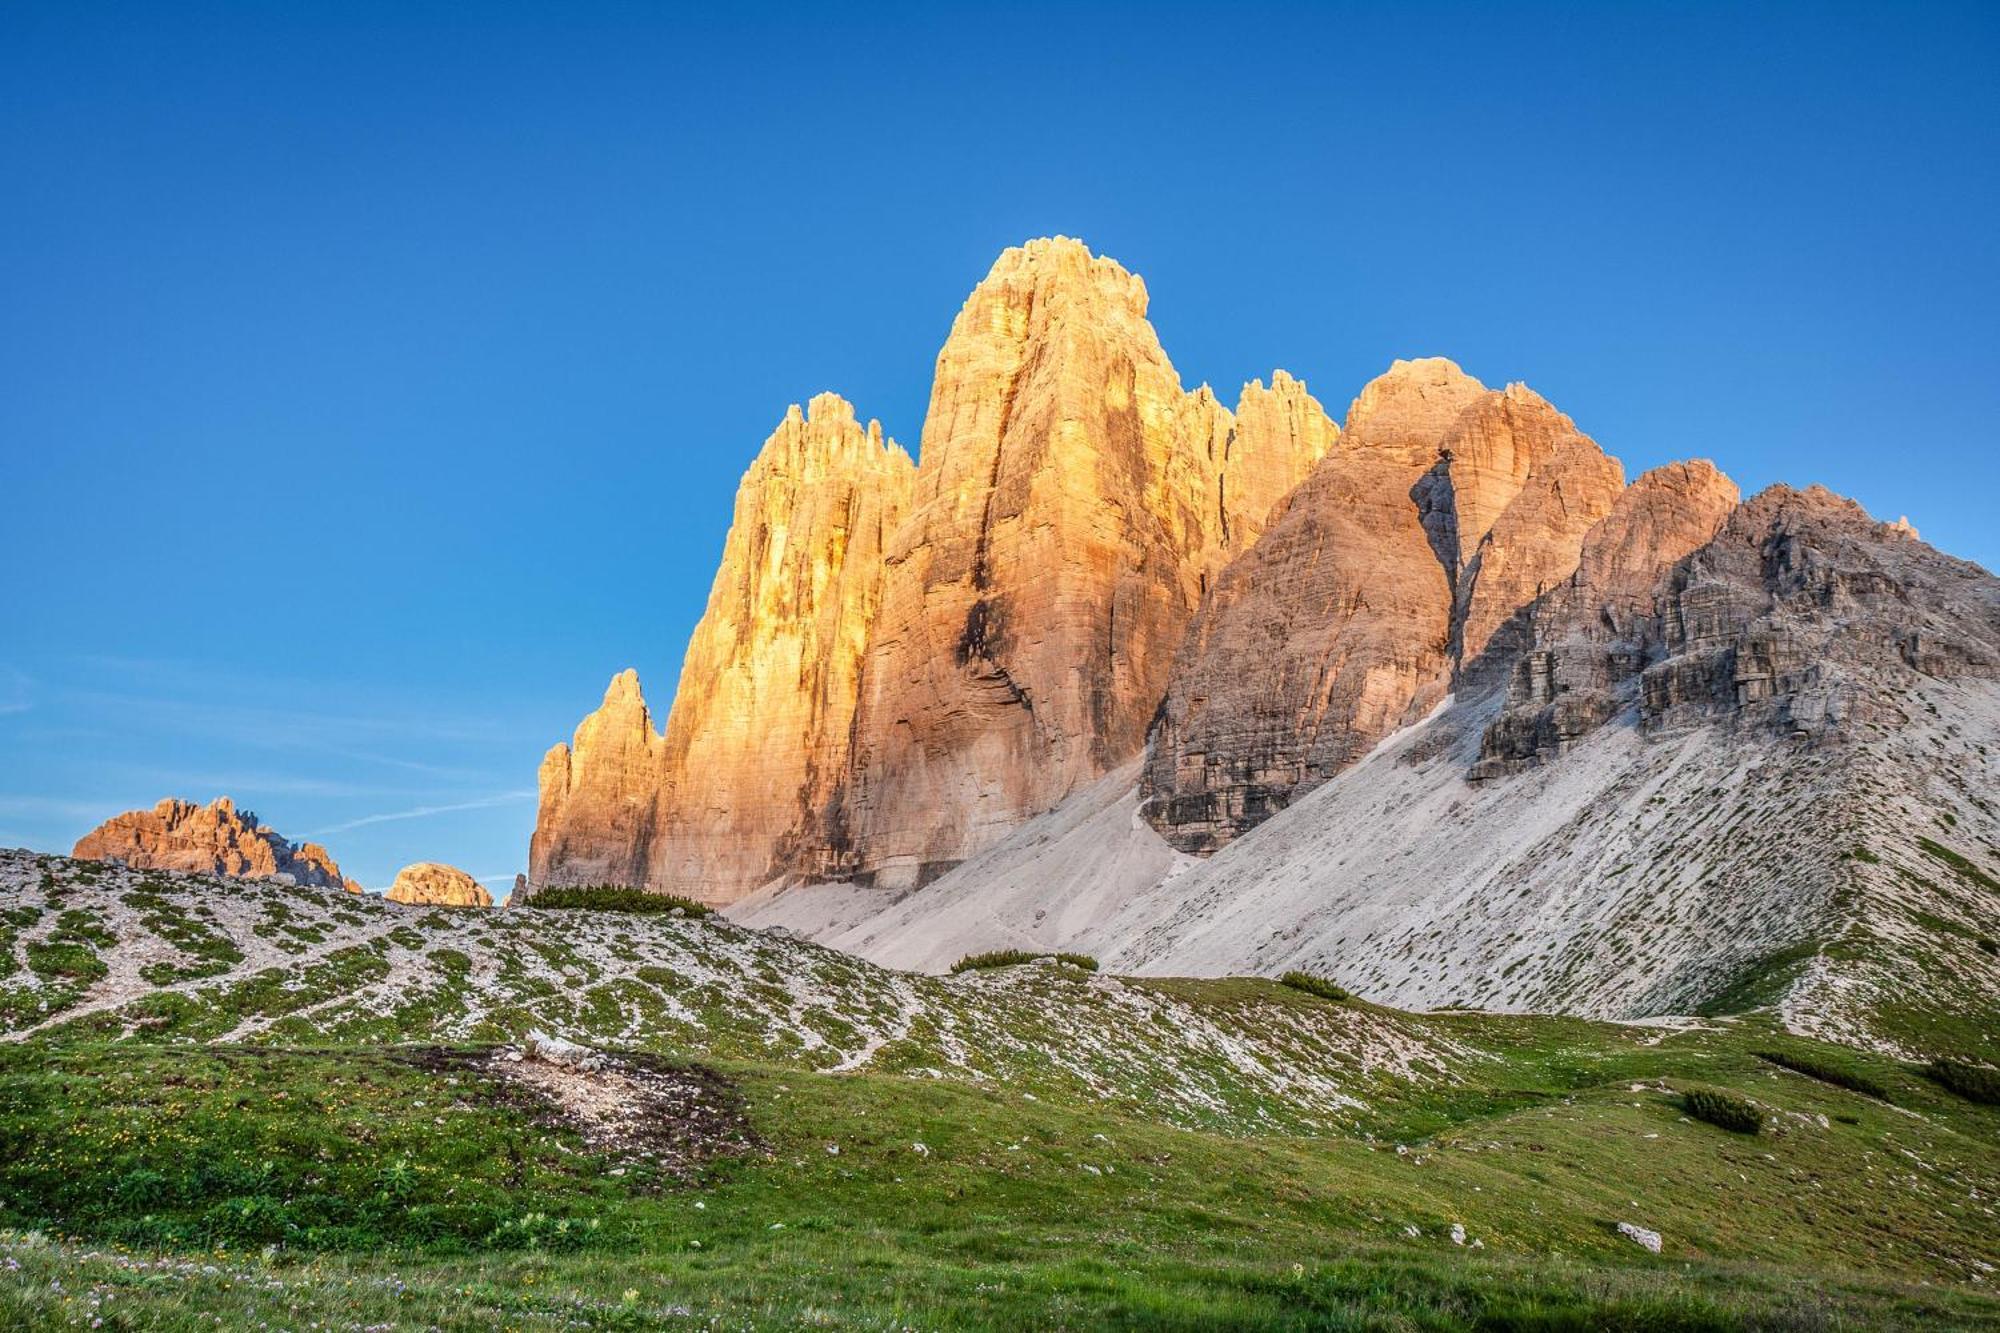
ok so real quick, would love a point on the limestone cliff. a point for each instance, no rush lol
(600, 795)
(1329, 632)
(1515, 551)
(213, 839)
(1071, 503)
(1588, 637)
(758, 733)
(434, 884)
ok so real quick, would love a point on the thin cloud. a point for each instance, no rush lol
(425, 811)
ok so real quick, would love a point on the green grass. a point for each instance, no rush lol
(1013, 1213)
(613, 898)
(1312, 985)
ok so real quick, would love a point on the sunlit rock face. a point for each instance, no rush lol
(434, 884)
(1527, 486)
(758, 734)
(1589, 638)
(600, 795)
(213, 839)
(1072, 502)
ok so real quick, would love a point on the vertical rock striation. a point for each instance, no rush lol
(1588, 637)
(758, 733)
(1071, 502)
(1404, 567)
(1324, 636)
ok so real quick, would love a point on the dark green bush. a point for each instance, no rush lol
(1723, 1110)
(1813, 1066)
(613, 898)
(1975, 1083)
(980, 962)
(1312, 985)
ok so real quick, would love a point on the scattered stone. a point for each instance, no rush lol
(1640, 1236)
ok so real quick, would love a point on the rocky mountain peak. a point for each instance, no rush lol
(216, 839)
(1408, 408)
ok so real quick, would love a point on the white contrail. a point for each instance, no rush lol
(421, 811)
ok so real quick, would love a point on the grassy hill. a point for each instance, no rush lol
(232, 1104)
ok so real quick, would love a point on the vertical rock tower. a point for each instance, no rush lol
(1071, 502)
(759, 730)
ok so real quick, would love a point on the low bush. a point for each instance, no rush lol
(1723, 1110)
(614, 898)
(1975, 1083)
(980, 962)
(1814, 1067)
(1312, 985)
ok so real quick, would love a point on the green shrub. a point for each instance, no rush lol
(1975, 1083)
(76, 962)
(613, 898)
(1312, 985)
(980, 962)
(1814, 1067)
(1723, 1110)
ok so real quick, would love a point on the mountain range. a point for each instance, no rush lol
(1429, 699)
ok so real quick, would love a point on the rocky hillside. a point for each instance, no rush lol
(1766, 778)
(104, 951)
(212, 839)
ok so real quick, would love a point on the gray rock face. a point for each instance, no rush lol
(1792, 619)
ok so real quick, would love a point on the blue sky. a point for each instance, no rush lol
(374, 379)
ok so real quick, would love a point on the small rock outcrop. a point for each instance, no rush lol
(434, 884)
(212, 839)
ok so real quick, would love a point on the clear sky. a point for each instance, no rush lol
(374, 379)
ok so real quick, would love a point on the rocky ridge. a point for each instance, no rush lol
(212, 839)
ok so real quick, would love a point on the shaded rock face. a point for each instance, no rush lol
(433, 884)
(213, 839)
(759, 731)
(1402, 564)
(1800, 615)
(1071, 504)
(1587, 639)
(1319, 640)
